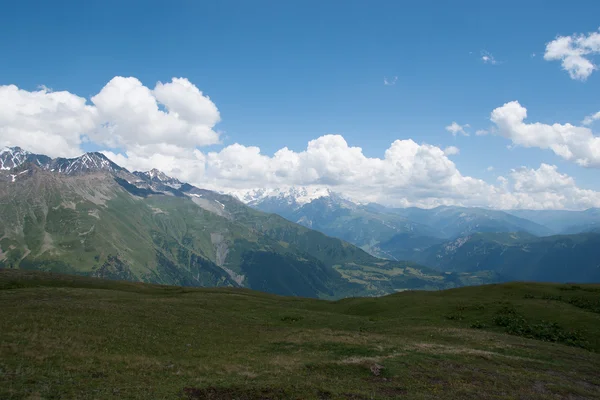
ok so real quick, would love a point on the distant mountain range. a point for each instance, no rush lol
(89, 216)
(543, 245)
(562, 221)
(376, 228)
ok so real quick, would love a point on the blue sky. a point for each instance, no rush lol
(285, 72)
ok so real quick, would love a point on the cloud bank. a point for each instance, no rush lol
(165, 127)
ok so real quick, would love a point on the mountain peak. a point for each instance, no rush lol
(156, 175)
(12, 157)
(12, 149)
(87, 162)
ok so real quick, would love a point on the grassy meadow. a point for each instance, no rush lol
(70, 337)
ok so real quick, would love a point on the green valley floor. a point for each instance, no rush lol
(71, 337)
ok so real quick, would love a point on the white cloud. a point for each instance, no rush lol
(455, 129)
(185, 164)
(490, 168)
(573, 143)
(408, 173)
(451, 150)
(130, 114)
(488, 58)
(390, 82)
(546, 188)
(43, 121)
(481, 132)
(125, 114)
(574, 53)
(591, 118)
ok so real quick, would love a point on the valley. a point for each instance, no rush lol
(531, 245)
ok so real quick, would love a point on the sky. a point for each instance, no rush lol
(492, 104)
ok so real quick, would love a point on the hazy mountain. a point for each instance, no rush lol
(563, 221)
(453, 221)
(88, 216)
(519, 256)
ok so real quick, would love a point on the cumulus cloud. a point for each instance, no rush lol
(574, 52)
(407, 174)
(125, 114)
(130, 114)
(546, 188)
(44, 121)
(490, 168)
(455, 129)
(184, 164)
(573, 143)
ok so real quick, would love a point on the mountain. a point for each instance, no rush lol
(563, 221)
(384, 232)
(89, 216)
(519, 256)
(407, 246)
(449, 238)
(13, 157)
(453, 221)
(335, 215)
(281, 200)
(155, 176)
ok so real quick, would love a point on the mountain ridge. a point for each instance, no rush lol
(92, 217)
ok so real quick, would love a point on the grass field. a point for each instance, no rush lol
(72, 337)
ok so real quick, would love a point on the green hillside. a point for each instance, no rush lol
(76, 337)
(98, 224)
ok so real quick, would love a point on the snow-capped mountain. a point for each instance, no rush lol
(88, 162)
(156, 176)
(292, 197)
(14, 157)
